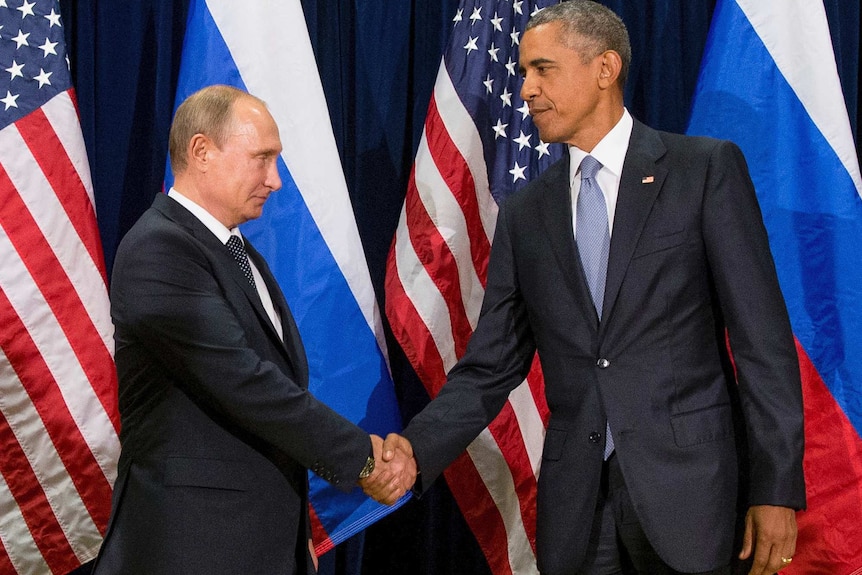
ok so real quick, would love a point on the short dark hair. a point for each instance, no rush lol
(209, 111)
(589, 28)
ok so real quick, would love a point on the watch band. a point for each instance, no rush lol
(368, 468)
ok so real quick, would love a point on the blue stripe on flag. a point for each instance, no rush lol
(347, 369)
(811, 208)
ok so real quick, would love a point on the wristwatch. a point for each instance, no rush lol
(368, 468)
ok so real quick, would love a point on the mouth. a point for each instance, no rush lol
(535, 111)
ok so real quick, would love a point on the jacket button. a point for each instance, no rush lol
(595, 437)
(603, 363)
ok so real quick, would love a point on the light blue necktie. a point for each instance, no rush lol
(594, 241)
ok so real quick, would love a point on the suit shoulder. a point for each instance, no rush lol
(693, 144)
(151, 226)
(156, 237)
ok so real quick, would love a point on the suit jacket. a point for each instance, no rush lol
(689, 262)
(218, 426)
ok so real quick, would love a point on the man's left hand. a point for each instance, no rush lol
(770, 532)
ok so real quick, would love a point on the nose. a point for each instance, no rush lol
(273, 180)
(529, 88)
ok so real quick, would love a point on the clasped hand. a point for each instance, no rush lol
(394, 469)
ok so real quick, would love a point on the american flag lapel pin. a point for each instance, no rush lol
(647, 179)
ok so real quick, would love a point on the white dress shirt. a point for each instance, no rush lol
(611, 153)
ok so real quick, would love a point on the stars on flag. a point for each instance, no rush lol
(21, 39)
(471, 45)
(497, 22)
(491, 77)
(49, 47)
(43, 77)
(53, 19)
(10, 100)
(26, 9)
(492, 51)
(500, 129)
(518, 172)
(32, 56)
(523, 141)
(15, 70)
(506, 96)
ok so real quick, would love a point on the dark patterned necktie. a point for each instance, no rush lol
(237, 250)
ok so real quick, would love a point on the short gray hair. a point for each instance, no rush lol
(209, 111)
(589, 28)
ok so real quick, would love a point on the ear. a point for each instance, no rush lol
(611, 64)
(199, 146)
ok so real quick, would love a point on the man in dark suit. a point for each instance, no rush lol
(631, 306)
(218, 426)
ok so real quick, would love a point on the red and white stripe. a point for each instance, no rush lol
(59, 421)
(435, 283)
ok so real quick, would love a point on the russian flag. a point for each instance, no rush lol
(307, 233)
(769, 83)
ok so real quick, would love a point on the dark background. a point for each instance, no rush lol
(378, 60)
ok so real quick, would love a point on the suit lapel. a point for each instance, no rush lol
(292, 342)
(293, 348)
(557, 215)
(640, 183)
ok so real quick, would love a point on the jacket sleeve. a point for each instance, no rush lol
(759, 331)
(497, 359)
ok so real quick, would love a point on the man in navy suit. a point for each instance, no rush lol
(701, 441)
(218, 426)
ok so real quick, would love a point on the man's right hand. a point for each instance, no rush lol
(394, 469)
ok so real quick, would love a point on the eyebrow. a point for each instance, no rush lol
(537, 62)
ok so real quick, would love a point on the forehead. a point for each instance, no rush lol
(253, 123)
(544, 41)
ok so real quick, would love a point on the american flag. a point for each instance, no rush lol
(478, 146)
(58, 413)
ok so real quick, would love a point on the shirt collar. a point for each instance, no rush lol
(611, 149)
(212, 224)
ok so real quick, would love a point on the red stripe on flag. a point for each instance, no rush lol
(833, 479)
(5, 563)
(455, 172)
(28, 494)
(480, 512)
(40, 385)
(536, 381)
(437, 258)
(411, 332)
(319, 534)
(61, 296)
(49, 153)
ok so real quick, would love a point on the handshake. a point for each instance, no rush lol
(394, 469)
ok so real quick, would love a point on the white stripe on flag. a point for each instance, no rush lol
(794, 37)
(309, 152)
(531, 424)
